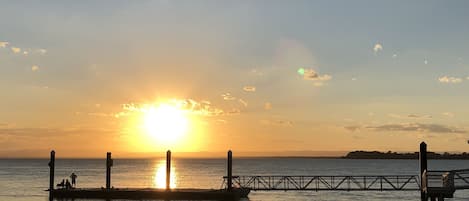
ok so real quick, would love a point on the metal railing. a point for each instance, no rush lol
(454, 179)
(328, 183)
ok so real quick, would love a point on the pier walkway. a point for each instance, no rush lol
(328, 183)
(434, 180)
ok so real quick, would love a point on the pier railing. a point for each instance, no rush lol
(328, 183)
(454, 179)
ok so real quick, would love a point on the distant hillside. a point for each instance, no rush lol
(395, 155)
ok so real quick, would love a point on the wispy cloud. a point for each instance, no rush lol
(243, 102)
(352, 128)
(417, 127)
(446, 79)
(410, 116)
(24, 51)
(448, 114)
(249, 88)
(15, 50)
(310, 74)
(3, 44)
(203, 108)
(34, 68)
(228, 96)
(277, 122)
(47, 132)
(378, 47)
(42, 51)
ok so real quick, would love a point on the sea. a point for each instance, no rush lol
(27, 179)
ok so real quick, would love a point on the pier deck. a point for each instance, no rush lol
(150, 193)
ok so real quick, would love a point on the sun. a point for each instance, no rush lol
(166, 123)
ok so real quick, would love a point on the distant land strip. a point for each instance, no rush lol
(395, 155)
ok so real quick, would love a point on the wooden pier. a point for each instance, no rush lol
(148, 193)
(228, 194)
(432, 184)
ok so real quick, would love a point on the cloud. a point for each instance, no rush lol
(310, 74)
(228, 96)
(410, 116)
(282, 123)
(267, 106)
(203, 108)
(352, 128)
(34, 68)
(446, 79)
(378, 47)
(233, 111)
(15, 49)
(47, 132)
(3, 44)
(249, 88)
(243, 102)
(467, 77)
(448, 114)
(394, 56)
(417, 127)
(425, 61)
(42, 51)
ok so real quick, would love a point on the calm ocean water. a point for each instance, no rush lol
(27, 179)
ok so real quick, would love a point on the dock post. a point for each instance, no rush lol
(51, 169)
(109, 164)
(168, 170)
(230, 171)
(423, 170)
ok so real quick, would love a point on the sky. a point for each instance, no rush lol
(250, 76)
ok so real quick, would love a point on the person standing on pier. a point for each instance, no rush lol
(73, 177)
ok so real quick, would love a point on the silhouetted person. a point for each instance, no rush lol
(73, 176)
(68, 185)
(61, 184)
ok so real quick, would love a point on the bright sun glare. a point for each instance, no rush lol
(166, 123)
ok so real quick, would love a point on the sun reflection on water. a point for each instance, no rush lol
(159, 179)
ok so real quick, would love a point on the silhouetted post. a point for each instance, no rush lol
(109, 164)
(168, 170)
(423, 170)
(230, 171)
(51, 168)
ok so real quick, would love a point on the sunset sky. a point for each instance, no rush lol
(80, 77)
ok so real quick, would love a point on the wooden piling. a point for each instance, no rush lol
(51, 174)
(109, 164)
(230, 171)
(423, 170)
(168, 170)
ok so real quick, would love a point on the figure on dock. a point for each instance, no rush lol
(73, 177)
(61, 184)
(68, 185)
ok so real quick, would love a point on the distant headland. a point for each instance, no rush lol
(395, 155)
